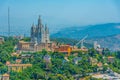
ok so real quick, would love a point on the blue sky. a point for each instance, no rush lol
(59, 13)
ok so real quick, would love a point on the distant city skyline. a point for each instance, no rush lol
(58, 13)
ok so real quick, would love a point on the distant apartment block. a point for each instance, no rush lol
(1, 40)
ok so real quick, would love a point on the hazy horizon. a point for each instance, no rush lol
(58, 14)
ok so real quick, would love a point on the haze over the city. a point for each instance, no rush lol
(58, 13)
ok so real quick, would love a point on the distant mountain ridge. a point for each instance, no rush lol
(107, 35)
(100, 30)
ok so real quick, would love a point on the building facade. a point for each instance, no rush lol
(17, 67)
(1, 40)
(5, 77)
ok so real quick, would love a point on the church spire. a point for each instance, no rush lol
(39, 20)
(45, 26)
(46, 29)
(33, 28)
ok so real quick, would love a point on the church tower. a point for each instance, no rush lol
(42, 35)
(39, 30)
(47, 40)
(39, 22)
(33, 33)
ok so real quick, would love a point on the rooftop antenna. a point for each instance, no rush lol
(8, 22)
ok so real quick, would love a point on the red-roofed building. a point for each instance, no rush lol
(63, 48)
(5, 76)
(7, 62)
(18, 61)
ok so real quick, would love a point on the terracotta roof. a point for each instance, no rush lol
(6, 75)
(18, 60)
(99, 64)
(8, 62)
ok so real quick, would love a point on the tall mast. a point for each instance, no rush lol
(8, 22)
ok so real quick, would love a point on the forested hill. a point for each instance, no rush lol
(100, 30)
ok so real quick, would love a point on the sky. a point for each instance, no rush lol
(58, 14)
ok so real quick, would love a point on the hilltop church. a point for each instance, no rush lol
(39, 39)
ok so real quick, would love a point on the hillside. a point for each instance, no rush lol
(108, 35)
(111, 42)
(100, 30)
